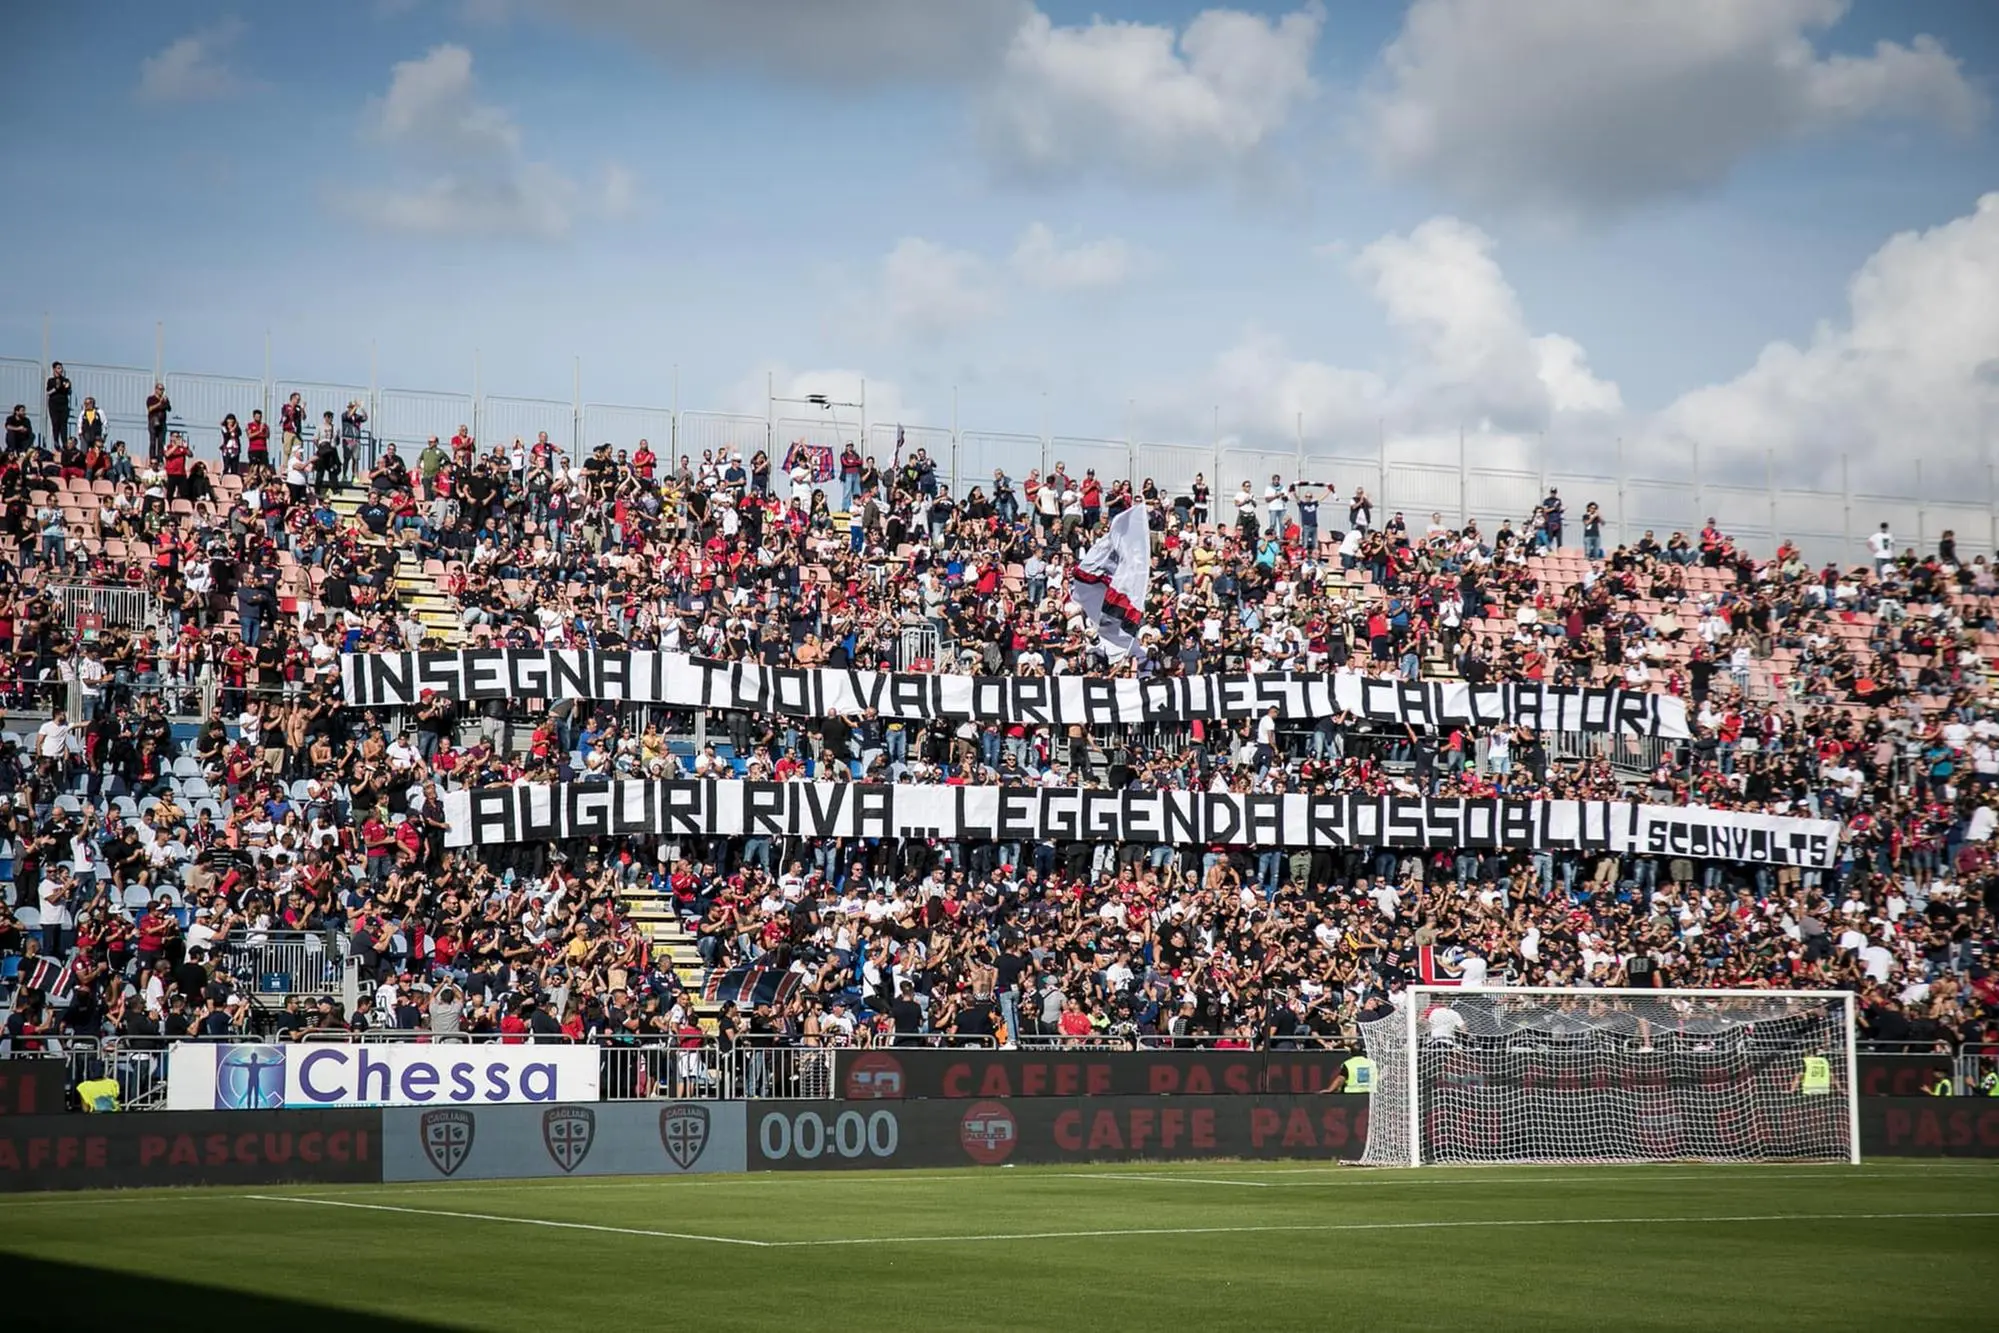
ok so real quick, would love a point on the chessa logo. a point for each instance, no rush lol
(873, 1076)
(447, 1138)
(683, 1132)
(249, 1078)
(987, 1133)
(567, 1132)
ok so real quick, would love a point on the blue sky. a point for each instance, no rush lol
(1757, 226)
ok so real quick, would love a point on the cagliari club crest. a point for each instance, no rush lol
(683, 1132)
(447, 1137)
(567, 1132)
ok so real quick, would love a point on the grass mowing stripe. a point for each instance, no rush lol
(1463, 1224)
(516, 1221)
(1171, 1180)
(1472, 1175)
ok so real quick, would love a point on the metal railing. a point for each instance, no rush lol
(129, 608)
(1639, 754)
(919, 643)
(1974, 1062)
(137, 1064)
(1415, 475)
(706, 1072)
(284, 963)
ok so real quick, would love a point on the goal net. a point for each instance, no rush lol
(1504, 1075)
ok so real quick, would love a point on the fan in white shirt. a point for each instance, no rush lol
(1444, 1023)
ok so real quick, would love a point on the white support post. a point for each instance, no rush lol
(1922, 538)
(1298, 467)
(1464, 481)
(1414, 1077)
(1852, 1081)
(48, 369)
(1846, 508)
(1770, 486)
(1623, 531)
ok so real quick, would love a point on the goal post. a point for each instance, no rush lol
(1576, 1075)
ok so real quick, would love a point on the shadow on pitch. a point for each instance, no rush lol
(45, 1294)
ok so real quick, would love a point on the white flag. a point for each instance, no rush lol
(1112, 580)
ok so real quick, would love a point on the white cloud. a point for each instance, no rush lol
(1042, 261)
(1143, 100)
(1908, 374)
(849, 43)
(194, 68)
(460, 168)
(1467, 354)
(1264, 390)
(1470, 355)
(1910, 371)
(1581, 106)
(931, 289)
(431, 106)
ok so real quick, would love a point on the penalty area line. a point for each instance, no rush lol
(514, 1221)
(1323, 1227)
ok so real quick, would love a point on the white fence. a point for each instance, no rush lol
(127, 608)
(289, 962)
(1409, 478)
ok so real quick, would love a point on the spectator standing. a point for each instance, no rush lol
(353, 423)
(158, 407)
(258, 436)
(232, 446)
(1881, 546)
(58, 399)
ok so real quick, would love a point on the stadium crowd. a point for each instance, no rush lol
(150, 858)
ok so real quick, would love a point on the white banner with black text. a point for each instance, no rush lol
(534, 812)
(372, 680)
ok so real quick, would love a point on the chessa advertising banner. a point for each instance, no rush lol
(1043, 1130)
(147, 1148)
(643, 1138)
(248, 1076)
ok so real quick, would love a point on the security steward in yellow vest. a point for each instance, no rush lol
(1816, 1078)
(98, 1094)
(1355, 1076)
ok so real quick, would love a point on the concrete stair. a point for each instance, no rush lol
(417, 589)
(672, 946)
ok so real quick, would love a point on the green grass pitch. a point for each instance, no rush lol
(1904, 1245)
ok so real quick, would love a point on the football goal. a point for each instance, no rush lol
(1495, 1075)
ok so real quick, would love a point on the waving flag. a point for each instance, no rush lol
(1112, 579)
(751, 985)
(56, 981)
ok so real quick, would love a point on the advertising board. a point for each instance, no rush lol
(32, 1087)
(248, 1076)
(1901, 1075)
(944, 1132)
(889, 1073)
(133, 1149)
(643, 1138)
(1929, 1126)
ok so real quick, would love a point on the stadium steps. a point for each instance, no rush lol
(672, 943)
(416, 589)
